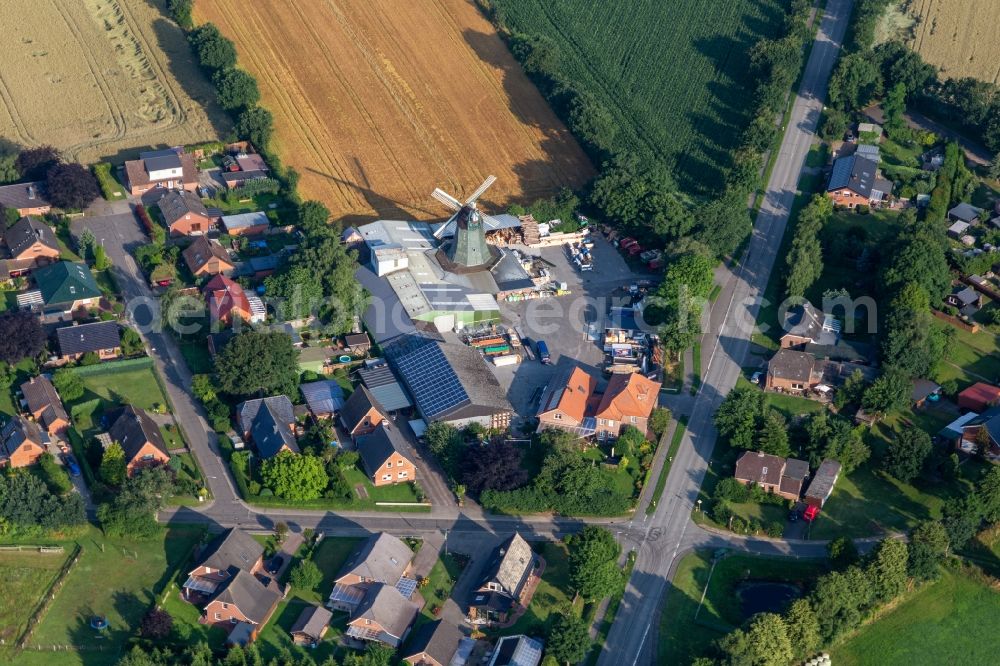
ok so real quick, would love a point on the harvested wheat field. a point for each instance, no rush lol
(959, 36)
(377, 102)
(96, 78)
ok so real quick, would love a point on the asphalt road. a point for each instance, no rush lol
(629, 641)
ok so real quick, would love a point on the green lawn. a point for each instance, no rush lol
(552, 597)
(683, 636)
(400, 492)
(817, 156)
(196, 355)
(186, 629)
(329, 556)
(120, 583)
(440, 582)
(661, 480)
(977, 356)
(24, 578)
(274, 639)
(139, 386)
(935, 625)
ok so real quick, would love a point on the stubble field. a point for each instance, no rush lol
(98, 78)
(377, 102)
(959, 37)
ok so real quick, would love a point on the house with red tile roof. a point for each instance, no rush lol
(568, 401)
(628, 400)
(226, 300)
(979, 397)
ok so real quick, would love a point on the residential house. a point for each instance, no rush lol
(983, 429)
(234, 550)
(979, 397)
(184, 213)
(244, 600)
(269, 423)
(324, 398)
(30, 244)
(357, 344)
(777, 475)
(207, 257)
(923, 390)
(965, 212)
(171, 169)
(227, 301)
(505, 583)
(966, 300)
(44, 405)
(791, 371)
(821, 486)
(450, 383)
(311, 626)
(517, 650)
(361, 413)
(377, 377)
(251, 162)
(67, 287)
(567, 402)
(246, 224)
(434, 644)
(855, 181)
(140, 438)
(382, 558)
(383, 458)
(101, 338)
(628, 400)
(25, 198)
(383, 616)
(21, 443)
(805, 325)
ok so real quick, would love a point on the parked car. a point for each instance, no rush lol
(71, 465)
(626, 243)
(274, 566)
(543, 352)
(755, 377)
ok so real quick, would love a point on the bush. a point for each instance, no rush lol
(306, 575)
(110, 189)
(732, 490)
(54, 474)
(156, 624)
(775, 529)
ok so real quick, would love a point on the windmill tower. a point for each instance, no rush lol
(468, 248)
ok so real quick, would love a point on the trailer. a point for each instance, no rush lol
(496, 349)
(506, 359)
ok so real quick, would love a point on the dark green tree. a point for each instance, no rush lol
(568, 639)
(214, 50)
(236, 89)
(738, 415)
(295, 477)
(255, 124)
(71, 186)
(21, 336)
(888, 393)
(593, 562)
(928, 548)
(907, 454)
(258, 363)
(306, 576)
(764, 643)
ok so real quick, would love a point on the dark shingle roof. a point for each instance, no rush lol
(25, 232)
(323, 397)
(85, 338)
(250, 596)
(381, 558)
(24, 195)
(65, 282)
(854, 172)
(439, 640)
(133, 428)
(385, 605)
(202, 250)
(759, 467)
(177, 203)
(376, 447)
(15, 432)
(382, 383)
(791, 365)
(39, 393)
(510, 566)
(312, 621)
(268, 420)
(359, 404)
(233, 549)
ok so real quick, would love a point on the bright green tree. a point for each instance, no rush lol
(568, 639)
(306, 575)
(593, 562)
(293, 476)
(113, 465)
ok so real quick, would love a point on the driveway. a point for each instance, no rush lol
(120, 233)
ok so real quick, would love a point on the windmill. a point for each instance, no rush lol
(468, 248)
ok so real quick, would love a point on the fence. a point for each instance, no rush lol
(48, 550)
(114, 367)
(50, 594)
(955, 321)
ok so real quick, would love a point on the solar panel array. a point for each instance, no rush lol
(431, 380)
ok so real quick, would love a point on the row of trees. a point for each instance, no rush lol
(805, 259)
(30, 506)
(200, 654)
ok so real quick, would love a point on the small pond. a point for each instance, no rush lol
(766, 596)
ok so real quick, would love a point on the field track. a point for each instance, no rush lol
(377, 102)
(959, 37)
(100, 78)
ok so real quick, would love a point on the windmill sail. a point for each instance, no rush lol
(468, 248)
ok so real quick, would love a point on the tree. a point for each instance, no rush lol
(255, 124)
(54, 474)
(961, 521)
(156, 624)
(988, 495)
(834, 125)
(568, 639)
(34, 163)
(994, 169)
(131, 513)
(887, 570)
(294, 292)
(659, 420)
(313, 218)
(258, 363)
(907, 454)
(86, 244)
(71, 186)
(888, 393)
(180, 11)
(680, 300)
(737, 416)
(914, 343)
(855, 82)
(803, 628)
(842, 552)
(851, 392)
(764, 643)
(919, 256)
(8, 161)
(928, 548)
(894, 107)
(21, 336)
(131, 342)
(839, 601)
(236, 89)
(773, 435)
(723, 223)
(495, 466)
(113, 467)
(101, 261)
(293, 476)
(805, 259)
(446, 443)
(306, 575)
(593, 563)
(214, 50)
(68, 384)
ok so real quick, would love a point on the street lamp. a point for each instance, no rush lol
(699, 506)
